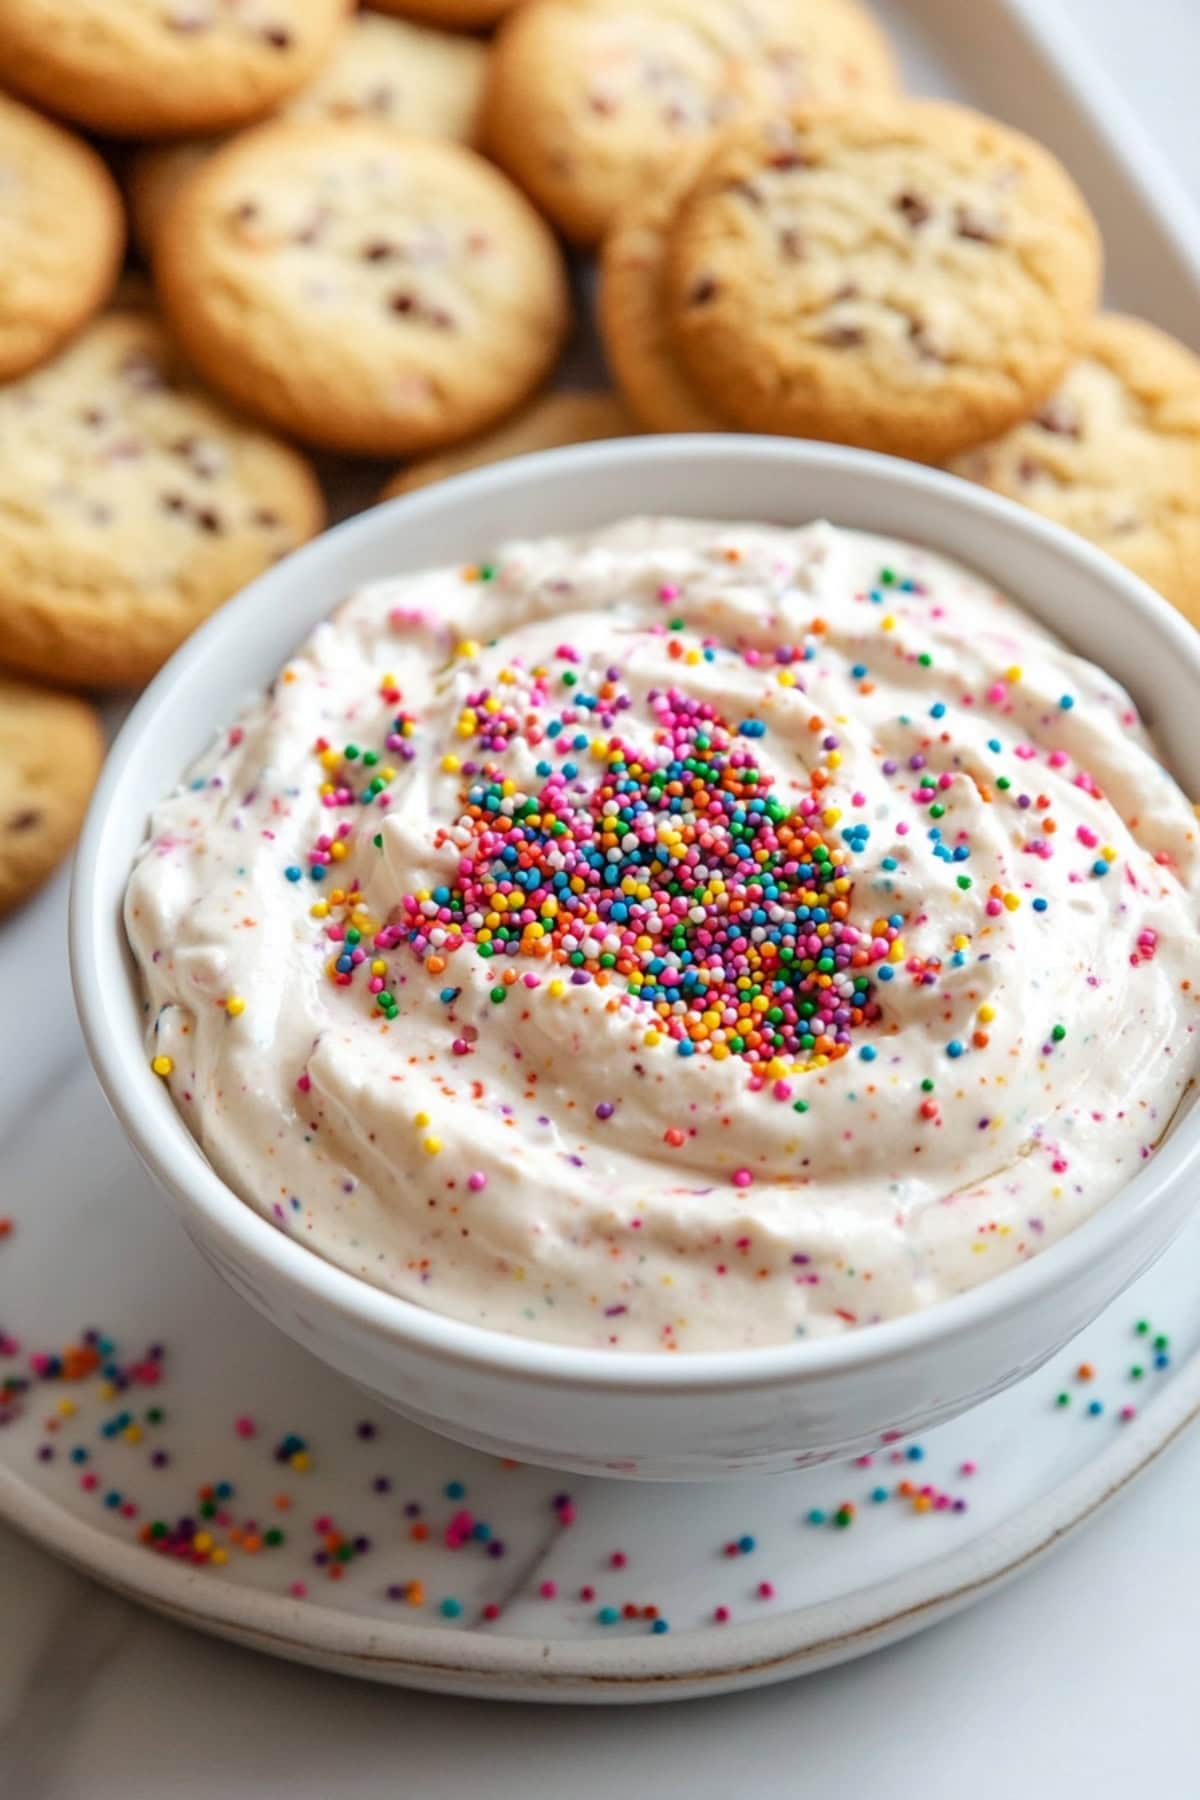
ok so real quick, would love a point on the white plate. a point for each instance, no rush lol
(92, 1245)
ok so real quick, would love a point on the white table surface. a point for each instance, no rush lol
(1081, 1679)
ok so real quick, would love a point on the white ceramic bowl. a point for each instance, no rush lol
(610, 1413)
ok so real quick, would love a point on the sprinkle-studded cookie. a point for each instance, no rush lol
(417, 78)
(1115, 455)
(908, 276)
(570, 416)
(162, 67)
(51, 749)
(133, 504)
(657, 388)
(62, 231)
(369, 291)
(590, 101)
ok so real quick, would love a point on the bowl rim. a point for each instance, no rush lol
(248, 1238)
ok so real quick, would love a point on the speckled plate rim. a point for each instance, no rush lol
(485, 1663)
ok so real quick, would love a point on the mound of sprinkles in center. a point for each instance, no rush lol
(721, 908)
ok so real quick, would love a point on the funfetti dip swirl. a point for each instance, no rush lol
(688, 937)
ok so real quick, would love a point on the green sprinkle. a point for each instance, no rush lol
(800, 1106)
(498, 995)
(927, 1086)
(1058, 1034)
(1062, 1400)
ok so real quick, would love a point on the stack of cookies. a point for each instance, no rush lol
(352, 223)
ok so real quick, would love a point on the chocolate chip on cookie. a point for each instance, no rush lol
(1114, 454)
(133, 503)
(132, 69)
(908, 276)
(372, 292)
(591, 102)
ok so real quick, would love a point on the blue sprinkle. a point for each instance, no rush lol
(454, 1490)
(752, 728)
(747, 1543)
(889, 863)
(317, 872)
(938, 710)
(1095, 1407)
(868, 1053)
(1067, 701)
(816, 1516)
(887, 973)
(293, 872)
(1099, 867)
(879, 1495)
(451, 1608)
(608, 1615)
(1040, 904)
(954, 1048)
(915, 1453)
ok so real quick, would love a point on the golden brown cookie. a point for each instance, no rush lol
(133, 504)
(149, 68)
(457, 15)
(589, 102)
(1115, 455)
(417, 78)
(908, 276)
(371, 292)
(51, 749)
(62, 232)
(657, 389)
(568, 416)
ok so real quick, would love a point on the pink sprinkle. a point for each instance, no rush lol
(618, 1559)
(567, 1514)
(477, 1181)
(967, 1468)
(721, 1615)
(548, 1590)
(491, 1610)
(298, 1590)
(765, 1591)
(742, 1178)
(304, 1083)
(587, 1593)
(245, 1426)
(1128, 1412)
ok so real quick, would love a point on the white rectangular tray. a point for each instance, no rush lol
(1019, 59)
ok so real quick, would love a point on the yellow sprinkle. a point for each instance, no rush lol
(558, 989)
(320, 909)
(599, 749)
(468, 647)
(1108, 853)
(132, 1434)
(378, 966)
(107, 1391)
(162, 1065)
(202, 1541)
(831, 815)
(451, 764)
(219, 1554)
(887, 623)
(785, 678)
(986, 1014)
(300, 1460)
(1013, 674)
(652, 1037)
(235, 1006)
(834, 760)
(337, 850)
(329, 759)
(1012, 901)
(422, 1119)
(66, 1409)
(431, 1146)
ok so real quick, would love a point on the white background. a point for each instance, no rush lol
(1084, 1679)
